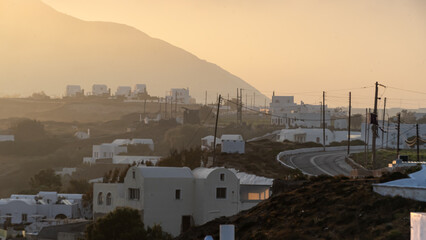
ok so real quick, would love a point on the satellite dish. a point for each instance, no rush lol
(208, 237)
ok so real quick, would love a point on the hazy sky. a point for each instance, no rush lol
(290, 46)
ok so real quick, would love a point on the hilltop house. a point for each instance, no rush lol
(123, 91)
(180, 95)
(178, 198)
(28, 208)
(73, 91)
(232, 143)
(208, 141)
(111, 151)
(139, 89)
(100, 90)
(7, 138)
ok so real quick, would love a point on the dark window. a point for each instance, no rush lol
(108, 199)
(24, 217)
(177, 194)
(134, 194)
(100, 198)
(222, 177)
(221, 193)
(134, 174)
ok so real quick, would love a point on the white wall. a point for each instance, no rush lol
(233, 146)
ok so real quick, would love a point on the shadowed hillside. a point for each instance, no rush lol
(323, 208)
(43, 49)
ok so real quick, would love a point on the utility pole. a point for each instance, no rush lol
(349, 125)
(238, 107)
(418, 142)
(387, 135)
(323, 119)
(205, 100)
(366, 136)
(383, 123)
(397, 140)
(375, 125)
(215, 129)
(144, 107)
(176, 102)
(165, 107)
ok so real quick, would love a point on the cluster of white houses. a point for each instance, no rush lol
(175, 95)
(32, 208)
(284, 111)
(178, 198)
(113, 152)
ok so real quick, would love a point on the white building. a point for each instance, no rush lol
(29, 208)
(135, 141)
(232, 144)
(177, 198)
(73, 91)
(391, 134)
(139, 89)
(82, 135)
(137, 160)
(418, 226)
(208, 141)
(104, 151)
(7, 138)
(100, 90)
(123, 91)
(180, 95)
(286, 112)
(302, 135)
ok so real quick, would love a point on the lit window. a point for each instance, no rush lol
(221, 193)
(253, 196)
(222, 177)
(177, 194)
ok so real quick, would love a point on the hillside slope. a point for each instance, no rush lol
(330, 208)
(42, 49)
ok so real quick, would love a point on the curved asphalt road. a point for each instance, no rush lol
(319, 163)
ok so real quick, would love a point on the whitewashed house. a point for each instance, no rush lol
(104, 151)
(7, 138)
(100, 90)
(391, 134)
(208, 141)
(135, 141)
(180, 95)
(123, 91)
(139, 89)
(82, 135)
(29, 208)
(178, 198)
(73, 91)
(137, 160)
(113, 150)
(417, 226)
(302, 135)
(232, 143)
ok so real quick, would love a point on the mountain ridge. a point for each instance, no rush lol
(42, 43)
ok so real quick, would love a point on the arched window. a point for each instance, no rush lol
(100, 198)
(108, 199)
